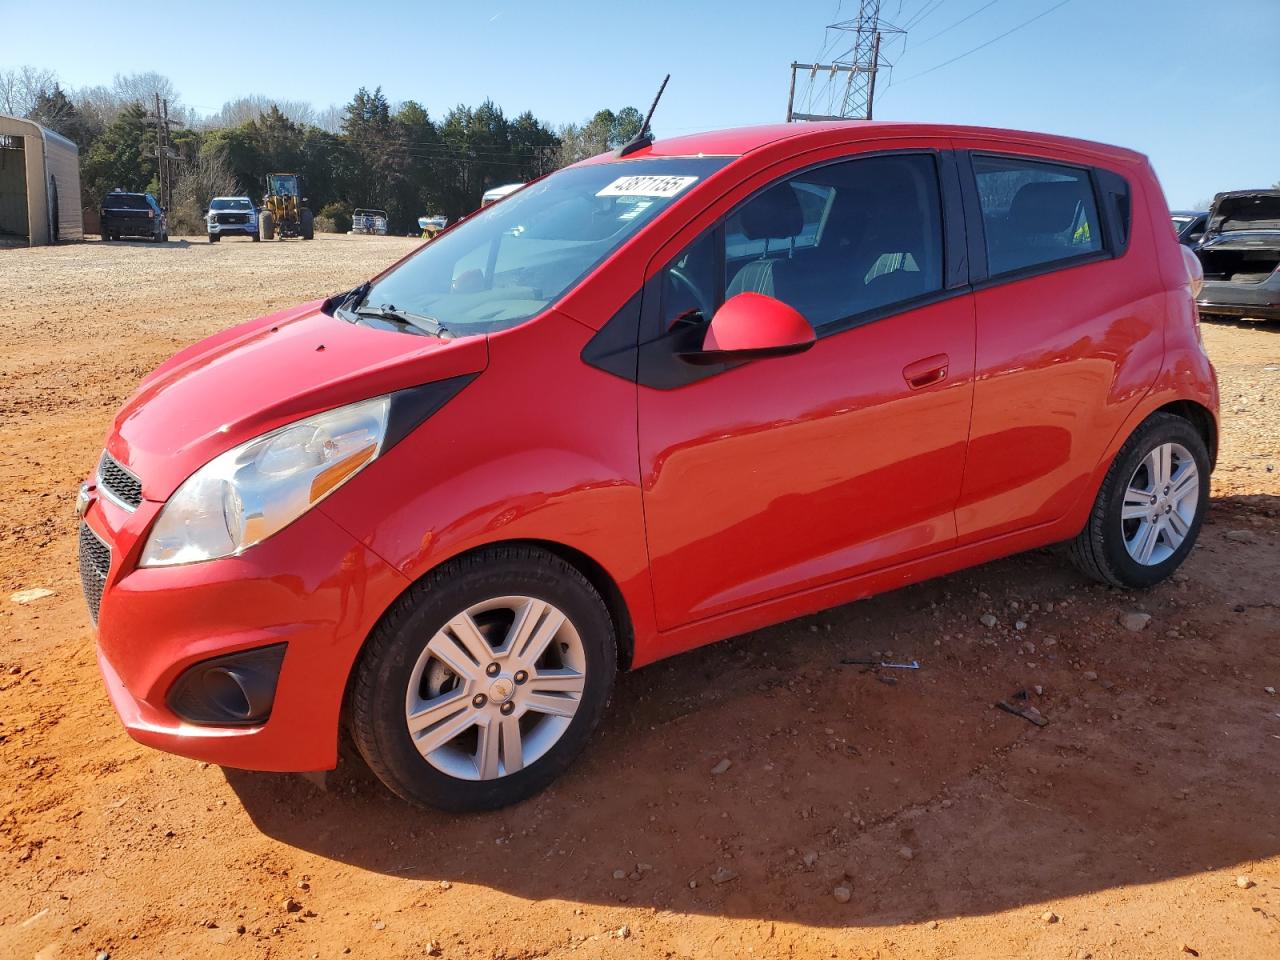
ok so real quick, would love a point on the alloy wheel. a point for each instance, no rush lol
(495, 688)
(1160, 504)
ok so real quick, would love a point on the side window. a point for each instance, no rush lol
(834, 242)
(1035, 213)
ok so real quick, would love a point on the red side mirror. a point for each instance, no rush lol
(751, 326)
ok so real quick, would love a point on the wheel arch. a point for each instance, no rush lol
(1199, 417)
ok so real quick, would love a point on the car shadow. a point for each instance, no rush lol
(908, 787)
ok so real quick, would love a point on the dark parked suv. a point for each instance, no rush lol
(133, 215)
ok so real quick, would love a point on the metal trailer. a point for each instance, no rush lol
(369, 221)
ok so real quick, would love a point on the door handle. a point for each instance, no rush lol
(926, 372)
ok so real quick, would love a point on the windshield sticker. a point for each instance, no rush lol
(637, 207)
(647, 186)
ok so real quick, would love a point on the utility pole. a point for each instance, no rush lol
(165, 154)
(854, 99)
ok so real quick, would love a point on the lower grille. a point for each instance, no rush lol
(233, 218)
(95, 562)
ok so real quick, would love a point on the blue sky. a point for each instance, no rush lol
(1192, 83)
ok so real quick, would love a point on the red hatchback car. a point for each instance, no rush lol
(647, 402)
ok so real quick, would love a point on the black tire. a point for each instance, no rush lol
(381, 676)
(307, 224)
(214, 237)
(1099, 549)
(255, 236)
(266, 225)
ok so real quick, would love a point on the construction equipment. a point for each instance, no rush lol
(284, 213)
(430, 226)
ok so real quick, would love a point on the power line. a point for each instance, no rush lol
(982, 46)
(934, 36)
(928, 8)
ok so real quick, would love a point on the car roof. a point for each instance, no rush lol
(232, 196)
(1188, 213)
(739, 141)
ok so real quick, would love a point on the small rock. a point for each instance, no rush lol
(721, 767)
(1241, 536)
(1186, 948)
(1135, 620)
(31, 596)
(987, 620)
(1270, 690)
(1039, 690)
(723, 875)
(240, 928)
(1091, 675)
(932, 924)
(102, 955)
(906, 853)
(15, 670)
(1243, 882)
(811, 858)
(433, 948)
(445, 885)
(842, 894)
(624, 932)
(379, 925)
(619, 874)
(290, 905)
(1020, 625)
(1049, 917)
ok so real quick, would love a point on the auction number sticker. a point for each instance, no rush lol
(647, 186)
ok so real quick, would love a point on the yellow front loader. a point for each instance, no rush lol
(284, 212)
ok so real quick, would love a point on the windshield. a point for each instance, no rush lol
(514, 258)
(232, 203)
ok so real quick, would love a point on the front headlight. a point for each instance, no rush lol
(256, 489)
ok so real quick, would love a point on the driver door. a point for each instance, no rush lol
(768, 478)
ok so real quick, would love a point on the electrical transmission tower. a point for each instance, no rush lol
(854, 99)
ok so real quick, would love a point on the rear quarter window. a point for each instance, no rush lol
(1035, 213)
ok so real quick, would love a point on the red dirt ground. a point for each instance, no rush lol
(1117, 831)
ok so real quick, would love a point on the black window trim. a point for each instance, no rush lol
(982, 278)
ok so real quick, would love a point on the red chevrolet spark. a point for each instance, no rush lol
(655, 399)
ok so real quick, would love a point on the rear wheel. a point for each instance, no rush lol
(213, 237)
(485, 680)
(1148, 512)
(255, 236)
(307, 224)
(266, 225)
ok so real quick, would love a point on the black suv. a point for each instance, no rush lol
(133, 215)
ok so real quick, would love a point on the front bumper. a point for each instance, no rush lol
(223, 229)
(312, 587)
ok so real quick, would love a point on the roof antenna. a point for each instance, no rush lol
(645, 137)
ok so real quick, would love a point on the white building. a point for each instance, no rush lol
(39, 185)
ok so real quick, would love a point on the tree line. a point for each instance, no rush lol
(366, 153)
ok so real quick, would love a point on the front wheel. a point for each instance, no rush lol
(1148, 511)
(306, 224)
(485, 680)
(266, 225)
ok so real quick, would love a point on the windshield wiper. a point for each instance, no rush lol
(388, 312)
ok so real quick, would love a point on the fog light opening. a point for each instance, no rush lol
(234, 690)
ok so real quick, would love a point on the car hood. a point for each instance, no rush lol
(250, 379)
(1244, 210)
